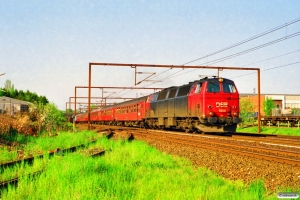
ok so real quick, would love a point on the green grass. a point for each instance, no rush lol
(129, 170)
(33, 146)
(271, 130)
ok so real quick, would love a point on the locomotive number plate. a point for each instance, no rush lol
(222, 110)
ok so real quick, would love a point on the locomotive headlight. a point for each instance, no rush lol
(211, 114)
(235, 114)
(220, 80)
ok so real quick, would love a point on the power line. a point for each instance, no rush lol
(267, 69)
(232, 46)
(239, 53)
(247, 40)
(272, 58)
(254, 48)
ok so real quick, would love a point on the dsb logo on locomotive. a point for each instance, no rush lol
(221, 104)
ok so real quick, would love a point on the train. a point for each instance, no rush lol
(205, 105)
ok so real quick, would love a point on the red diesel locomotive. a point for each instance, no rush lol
(206, 105)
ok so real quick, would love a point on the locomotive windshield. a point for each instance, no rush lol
(213, 87)
(230, 88)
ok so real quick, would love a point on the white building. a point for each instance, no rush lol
(12, 106)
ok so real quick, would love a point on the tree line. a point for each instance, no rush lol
(41, 117)
(9, 91)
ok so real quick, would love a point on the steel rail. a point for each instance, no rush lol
(204, 139)
(225, 143)
(272, 141)
(245, 147)
(228, 150)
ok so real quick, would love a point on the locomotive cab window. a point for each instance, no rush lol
(229, 88)
(213, 87)
(183, 91)
(198, 88)
(172, 93)
(162, 95)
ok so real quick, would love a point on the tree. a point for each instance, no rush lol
(47, 117)
(268, 104)
(69, 110)
(246, 109)
(93, 106)
(8, 85)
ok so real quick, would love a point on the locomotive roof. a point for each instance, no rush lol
(215, 79)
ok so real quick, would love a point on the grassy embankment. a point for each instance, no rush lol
(272, 130)
(129, 170)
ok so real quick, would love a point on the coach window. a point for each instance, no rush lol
(213, 87)
(229, 88)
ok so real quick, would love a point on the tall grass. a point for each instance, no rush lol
(129, 170)
(22, 169)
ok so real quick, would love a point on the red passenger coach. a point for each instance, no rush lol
(131, 113)
(81, 118)
(106, 114)
(94, 115)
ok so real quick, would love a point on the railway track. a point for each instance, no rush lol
(286, 157)
(262, 146)
(272, 141)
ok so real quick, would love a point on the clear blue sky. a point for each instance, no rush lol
(46, 47)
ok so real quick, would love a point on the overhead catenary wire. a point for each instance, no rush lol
(234, 45)
(267, 69)
(230, 47)
(247, 40)
(272, 58)
(237, 54)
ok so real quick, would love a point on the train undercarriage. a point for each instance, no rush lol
(189, 124)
